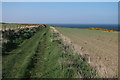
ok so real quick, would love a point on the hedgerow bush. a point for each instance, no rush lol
(15, 38)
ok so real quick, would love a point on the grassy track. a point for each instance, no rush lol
(15, 64)
(42, 56)
(47, 59)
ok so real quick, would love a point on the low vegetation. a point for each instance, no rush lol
(40, 53)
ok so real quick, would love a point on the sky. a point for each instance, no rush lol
(60, 12)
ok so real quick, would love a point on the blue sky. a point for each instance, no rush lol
(60, 12)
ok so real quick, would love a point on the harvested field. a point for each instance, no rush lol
(101, 47)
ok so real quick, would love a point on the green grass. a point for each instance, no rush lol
(15, 64)
(39, 57)
(48, 60)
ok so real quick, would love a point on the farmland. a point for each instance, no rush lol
(100, 46)
(40, 52)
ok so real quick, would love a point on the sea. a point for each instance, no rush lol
(85, 26)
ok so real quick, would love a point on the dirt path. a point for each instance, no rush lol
(98, 51)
